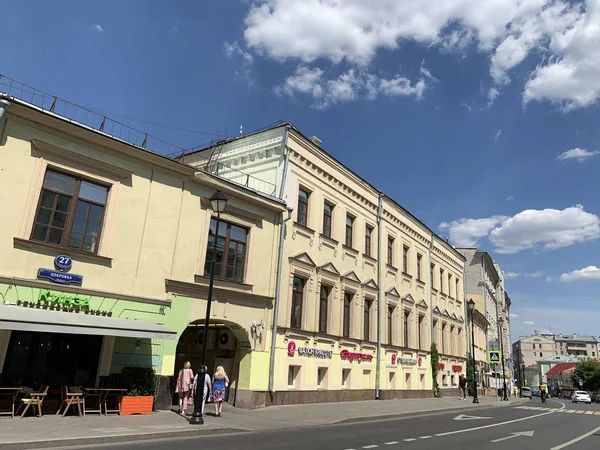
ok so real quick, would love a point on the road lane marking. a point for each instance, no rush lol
(589, 413)
(515, 435)
(581, 411)
(597, 413)
(465, 417)
(425, 437)
(493, 425)
(570, 411)
(392, 443)
(409, 440)
(573, 441)
(370, 446)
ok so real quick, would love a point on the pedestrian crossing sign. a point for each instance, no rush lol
(494, 356)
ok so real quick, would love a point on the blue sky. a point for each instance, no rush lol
(459, 112)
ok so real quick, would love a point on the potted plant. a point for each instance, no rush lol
(139, 382)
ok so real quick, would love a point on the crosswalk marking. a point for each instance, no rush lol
(589, 413)
(561, 410)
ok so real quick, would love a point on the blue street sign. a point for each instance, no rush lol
(580, 380)
(63, 262)
(60, 277)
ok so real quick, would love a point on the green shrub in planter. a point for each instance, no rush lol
(139, 381)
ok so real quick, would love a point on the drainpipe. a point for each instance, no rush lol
(465, 311)
(277, 297)
(431, 289)
(286, 162)
(4, 106)
(381, 294)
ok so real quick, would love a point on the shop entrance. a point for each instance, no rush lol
(55, 359)
(221, 350)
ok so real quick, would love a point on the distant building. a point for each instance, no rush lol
(575, 345)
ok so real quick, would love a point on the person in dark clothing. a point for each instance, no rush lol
(462, 384)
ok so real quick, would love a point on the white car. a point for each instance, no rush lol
(581, 396)
(526, 392)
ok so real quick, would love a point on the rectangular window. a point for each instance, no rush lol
(405, 259)
(419, 261)
(323, 304)
(231, 250)
(322, 377)
(541, 355)
(293, 372)
(346, 378)
(421, 318)
(449, 284)
(406, 329)
(327, 212)
(407, 381)
(431, 270)
(297, 298)
(391, 380)
(368, 232)
(452, 349)
(390, 251)
(435, 331)
(444, 338)
(347, 305)
(456, 290)
(367, 320)
(70, 212)
(366, 379)
(390, 322)
(349, 230)
(442, 281)
(303, 207)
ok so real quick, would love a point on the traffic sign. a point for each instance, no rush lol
(494, 356)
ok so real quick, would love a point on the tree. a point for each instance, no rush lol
(435, 367)
(470, 377)
(588, 371)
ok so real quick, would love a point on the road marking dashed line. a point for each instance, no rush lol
(392, 443)
(425, 437)
(409, 440)
(370, 446)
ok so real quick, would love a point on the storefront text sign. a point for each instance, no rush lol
(308, 351)
(406, 361)
(60, 277)
(441, 366)
(59, 301)
(351, 356)
(456, 368)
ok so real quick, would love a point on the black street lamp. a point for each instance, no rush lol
(218, 201)
(471, 305)
(501, 332)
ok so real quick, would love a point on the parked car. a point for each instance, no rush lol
(535, 393)
(526, 392)
(581, 396)
(595, 397)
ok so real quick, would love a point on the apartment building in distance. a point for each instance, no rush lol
(544, 344)
(364, 286)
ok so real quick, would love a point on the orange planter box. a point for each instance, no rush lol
(136, 405)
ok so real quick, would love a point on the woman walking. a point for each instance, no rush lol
(206, 387)
(219, 383)
(185, 380)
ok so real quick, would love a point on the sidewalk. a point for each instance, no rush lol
(53, 431)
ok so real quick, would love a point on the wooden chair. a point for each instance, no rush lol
(73, 398)
(35, 399)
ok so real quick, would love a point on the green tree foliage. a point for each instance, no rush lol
(435, 363)
(588, 371)
(470, 377)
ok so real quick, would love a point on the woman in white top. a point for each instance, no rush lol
(207, 388)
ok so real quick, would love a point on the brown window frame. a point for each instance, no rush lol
(442, 281)
(368, 232)
(302, 216)
(390, 325)
(390, 251)
(405, 250)
(228, 241)
(297, 303)
(419, 261)
(450, 284)
(71, 213)
(327, 219)
(420, 325)
(347, 314)
(405, 323)
(349, 230)
(367, 320)
(323, 308)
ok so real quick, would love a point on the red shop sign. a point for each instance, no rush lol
(351, 356)
(291, 348)
(441, 366)
(456, 368)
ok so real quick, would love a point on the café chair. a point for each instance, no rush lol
(73, 398)
(34, 399)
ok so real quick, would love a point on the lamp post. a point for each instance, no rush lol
(218, 201)
(471, 305)
(501, 332)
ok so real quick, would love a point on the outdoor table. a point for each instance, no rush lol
(102, 395)
(91, 394)
(12, 394)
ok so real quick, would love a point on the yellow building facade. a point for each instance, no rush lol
(359, 300)
(134, 226)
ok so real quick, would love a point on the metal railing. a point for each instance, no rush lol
(85, 116)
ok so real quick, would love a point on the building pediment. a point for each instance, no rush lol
(445, 313)
(408, 298)
(370, 284)
(351, 277)
(303, 258)
(422, 304)
(436, 310)
(454, 316)
(393, 292)
(460, 319)
(329, 267)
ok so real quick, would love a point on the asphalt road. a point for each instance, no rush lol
(524, 427)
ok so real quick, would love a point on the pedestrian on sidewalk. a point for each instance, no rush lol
(462, 384)
(219, 383)
(185, 380)
(206, 389)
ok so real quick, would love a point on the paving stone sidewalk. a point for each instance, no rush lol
(54, 431)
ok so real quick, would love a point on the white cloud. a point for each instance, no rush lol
(510, 198)
(550, 279)
(98, 28)
(537, 274)
(548, 228)
(467, 106)
(493, 94)
(577, 154)
(528, 322)
(244, 72)
(514, 316)
(587, 273)
(498, 134)
(509, 275)
(353, 32)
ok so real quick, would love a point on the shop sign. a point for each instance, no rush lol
(308, 351)
(441, 366)
(456, 368)
(351, 356)
(60, 277)
(62, 302)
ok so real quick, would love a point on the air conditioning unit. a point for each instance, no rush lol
(226, 340)
(212, 338)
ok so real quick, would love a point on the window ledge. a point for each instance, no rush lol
(54, 250)
(369, 259)
(304, 228)
(328, 240)
(350, 250)
(421, 282)
(391, 269)
(407, 275)
(220, 282)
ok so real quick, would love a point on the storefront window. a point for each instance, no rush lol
(70, 212)
(231, 251)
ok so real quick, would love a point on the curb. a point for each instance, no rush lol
(76, 442)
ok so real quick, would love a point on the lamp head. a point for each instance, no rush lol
(218, 201)
(471, 305)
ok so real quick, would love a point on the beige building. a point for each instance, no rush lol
(577, 346)
(105, 246)
(364, 287)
